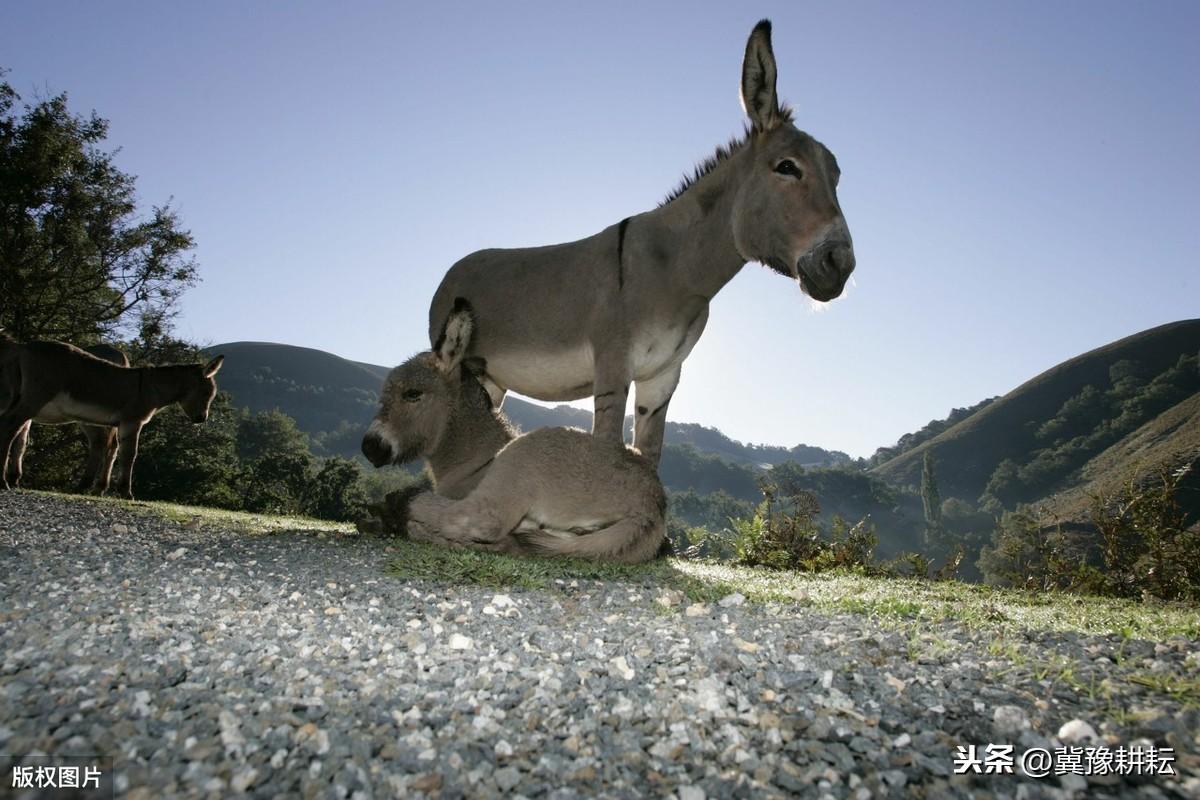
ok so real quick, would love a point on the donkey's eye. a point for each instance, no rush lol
(788, 167)
(412, 395)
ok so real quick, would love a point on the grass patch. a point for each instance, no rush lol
(242, 521)
(894, 601)
(897, 599)
(1185, 691)
(419, 561)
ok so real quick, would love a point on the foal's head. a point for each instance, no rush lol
(786, 213)
(199, 388)
(423, 397)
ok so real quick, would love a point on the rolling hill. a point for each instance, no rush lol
(333, 399)
(1077, 425)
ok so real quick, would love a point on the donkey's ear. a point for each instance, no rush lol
(452, 345)
(759, 100)
(211, 367)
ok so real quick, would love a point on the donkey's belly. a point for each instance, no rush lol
(64, 408)
(551, 376)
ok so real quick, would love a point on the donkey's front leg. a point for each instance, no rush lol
(611, 387)
(107, 451)
(127, 435)
(650, 422)
(99, 440)
(481, 520)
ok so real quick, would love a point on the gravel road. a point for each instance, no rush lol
(210, 662)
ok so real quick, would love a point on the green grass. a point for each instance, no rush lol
(243, 521)
(904, 603)
(1185, 690)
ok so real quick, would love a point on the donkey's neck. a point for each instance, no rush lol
(465, 452)
(160, 386)
(693, 233)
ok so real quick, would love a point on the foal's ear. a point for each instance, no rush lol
(211, 367)
(759, 100)
(452, 345)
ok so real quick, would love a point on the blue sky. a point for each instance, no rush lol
(1020, 178)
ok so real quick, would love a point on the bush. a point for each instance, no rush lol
(785, 535)
(1137, 544)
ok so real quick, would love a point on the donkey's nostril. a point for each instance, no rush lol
(376, 450)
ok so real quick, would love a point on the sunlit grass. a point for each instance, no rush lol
(204, 516)
(886, 598)
(895, 602)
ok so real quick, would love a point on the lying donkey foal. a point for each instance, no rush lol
(553, 491)
(56, 383)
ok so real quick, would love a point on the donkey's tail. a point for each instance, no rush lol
(631, 540)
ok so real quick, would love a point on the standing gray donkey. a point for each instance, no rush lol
(553, 491)
(57, 383)
(589, 317)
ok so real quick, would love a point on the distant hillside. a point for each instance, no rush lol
(1054, 432)
(1171, 438)
(333, 399)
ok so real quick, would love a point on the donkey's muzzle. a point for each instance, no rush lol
(377, 451)
(824, 271)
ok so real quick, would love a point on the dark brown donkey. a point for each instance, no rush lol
(57, 383)
(101, 439)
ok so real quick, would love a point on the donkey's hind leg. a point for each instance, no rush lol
(16, 456)
(14, 432)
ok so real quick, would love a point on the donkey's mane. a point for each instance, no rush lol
(722, 153)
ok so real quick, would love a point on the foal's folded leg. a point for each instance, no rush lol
(479, 521)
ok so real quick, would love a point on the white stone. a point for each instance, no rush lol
(243, 780)
(1075, 731)
(619, 666)
(1009, 719)
(460, 642)
(731, 600)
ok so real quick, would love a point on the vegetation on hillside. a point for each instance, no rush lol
(1014, 427)
(1087, 423)
(1138, 543)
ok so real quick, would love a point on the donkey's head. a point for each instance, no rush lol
(786, 213)
(425, 396)
(199, 388)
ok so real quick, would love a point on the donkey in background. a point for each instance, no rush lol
(553, 491)
(57, 383)
(101, 439)
(628, 304)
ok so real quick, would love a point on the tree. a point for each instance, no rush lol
(183, 462)
(276, 463)
(335, 492)
(931, 500)
(78, 261)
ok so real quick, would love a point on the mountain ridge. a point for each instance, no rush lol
(333, 399)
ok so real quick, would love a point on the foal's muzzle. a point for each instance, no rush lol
(824, 271)
(377, 451)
